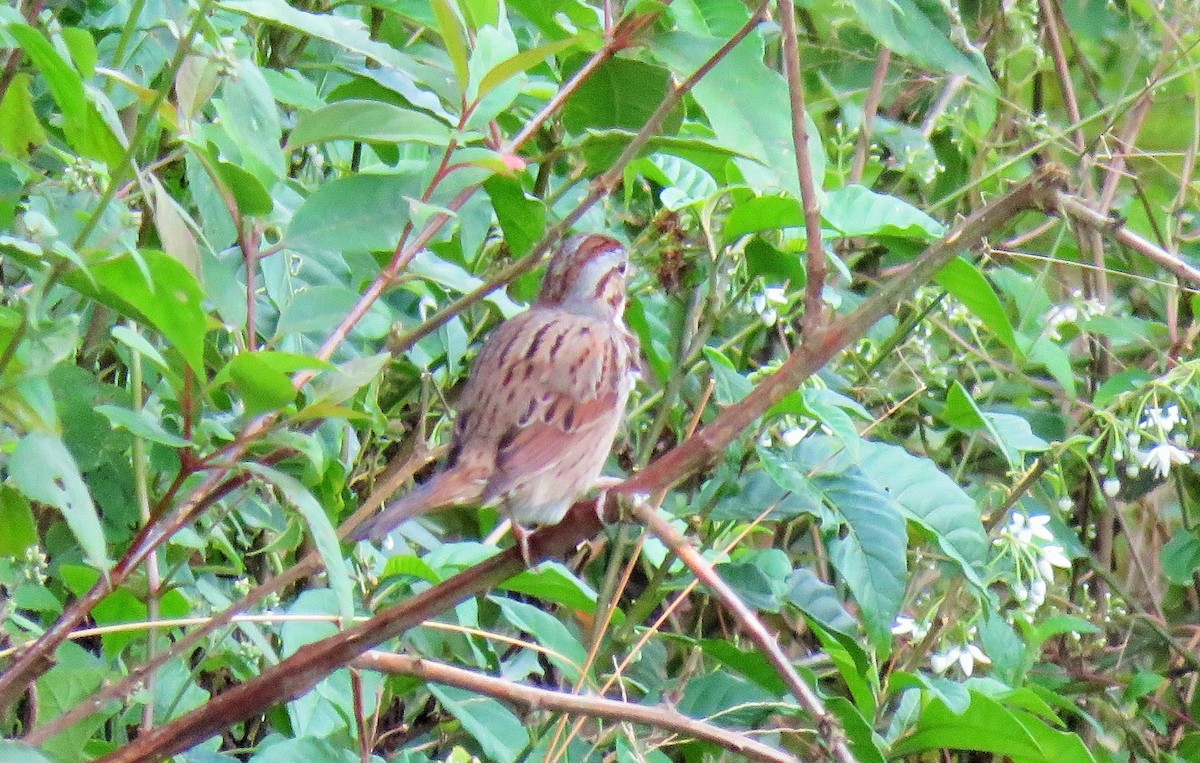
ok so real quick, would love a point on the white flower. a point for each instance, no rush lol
(1132, 470)
(1065, 504)
(1037, 527)
(966, 656)
(971, 655)
(907, 626)
(1162, 457)
(1058, 315)
(941, 661)
(764, 303)
(1037, 593)
(1111, 486)
(1055, 555)
(792, 437)
(1164, 418)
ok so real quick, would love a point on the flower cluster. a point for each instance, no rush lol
(1077, 310)
(1158, 442)
(965, 654)
(1035, 555)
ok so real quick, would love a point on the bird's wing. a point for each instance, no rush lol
(546, 386)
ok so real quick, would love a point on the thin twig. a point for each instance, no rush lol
(534, 698)
(862, 148)
(814, 300)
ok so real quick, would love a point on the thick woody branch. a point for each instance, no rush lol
(298, 673)
(533, 698)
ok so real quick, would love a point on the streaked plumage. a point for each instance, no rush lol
(544, 400)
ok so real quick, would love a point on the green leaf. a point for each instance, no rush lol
(357, 213)
(141, 423)
(306, 748)
(905, 27)
(1011, 432)
(521, 62)
(344, 31)
(620, 93)
(339, 383)
(163, 292)
(454, 38)
(1181, 557)
(263, 386)
(16, 517)
(522, 217)
(553, 583)
(15, 752)
(934, 502)
(1056, 360)
(251, 195)
(1119, 383)
(735, 700)
(731, 386)
(821, 602)
(734, 96)
(762, 213)
(500, 734)
(320, 307)
(20, 129)
(43, 469)
(964, 281)
(86, 130)
(868, 549)
(322, 531)
(855, 210)
(368, 121)
(823, 405)
(564, 650)
(988, 726)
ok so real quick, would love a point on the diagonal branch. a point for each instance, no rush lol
(297, 674)
(535, 698)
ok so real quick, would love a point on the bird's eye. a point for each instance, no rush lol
(621, 268)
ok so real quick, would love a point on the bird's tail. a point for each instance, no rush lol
(449, 488)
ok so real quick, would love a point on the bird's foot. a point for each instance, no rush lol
(521, 536)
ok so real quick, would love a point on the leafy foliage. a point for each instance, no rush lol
(248, 249)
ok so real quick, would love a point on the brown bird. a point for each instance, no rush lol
(538, 415)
